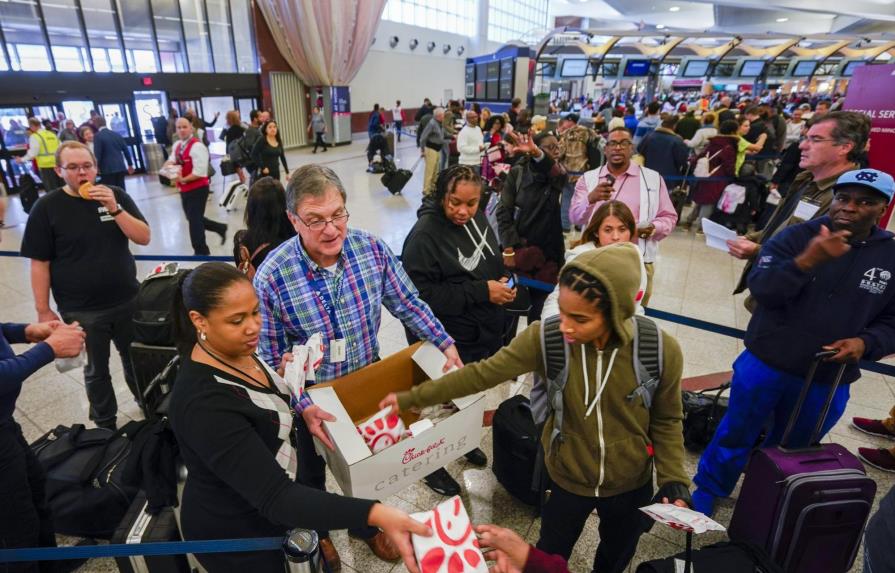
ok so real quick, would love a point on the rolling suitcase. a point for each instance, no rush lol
(516, 443)
(28, 194)
(233, 194)
(138, 526)
(396, 179)
(807, 507)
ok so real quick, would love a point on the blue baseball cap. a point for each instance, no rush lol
(874, 179)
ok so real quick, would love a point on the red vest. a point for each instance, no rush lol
(186, 162)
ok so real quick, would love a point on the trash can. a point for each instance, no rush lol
(155, 157)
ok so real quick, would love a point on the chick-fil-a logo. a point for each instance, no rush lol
(413, 454)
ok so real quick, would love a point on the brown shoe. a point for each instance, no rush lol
(383, 547)
(331, 555)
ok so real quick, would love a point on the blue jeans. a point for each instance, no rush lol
(761, 394)
(566, 203)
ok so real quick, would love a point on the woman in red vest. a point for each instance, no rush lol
(192, 157)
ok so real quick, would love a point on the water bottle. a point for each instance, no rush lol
(302, 550)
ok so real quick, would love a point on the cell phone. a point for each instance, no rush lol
(511, 282)
(610, 178)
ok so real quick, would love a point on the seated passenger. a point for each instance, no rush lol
(600, 452)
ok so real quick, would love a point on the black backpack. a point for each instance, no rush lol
(703, 411)
(725, 556)
(516, 445)
(28, 194)
(85, 488)
(153, 323)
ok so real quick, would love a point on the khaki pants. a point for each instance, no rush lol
(650, 271)
(433, 158)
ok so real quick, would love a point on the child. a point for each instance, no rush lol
(607, 442)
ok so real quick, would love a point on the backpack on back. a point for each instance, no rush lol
(703, 166)
(153, 323)
(547, 394)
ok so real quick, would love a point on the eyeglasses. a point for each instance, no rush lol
(812, 139)
(318, 225)
(618, 144)
(82, 167)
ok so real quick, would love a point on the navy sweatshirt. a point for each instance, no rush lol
(15, 369)
(800, 312)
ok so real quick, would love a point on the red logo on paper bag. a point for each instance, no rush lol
(412, 454)
(454, 532)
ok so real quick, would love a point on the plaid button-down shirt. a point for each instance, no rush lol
(367, 276)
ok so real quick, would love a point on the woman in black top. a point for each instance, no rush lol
(266, 222)
(230, 413)
(268, 151)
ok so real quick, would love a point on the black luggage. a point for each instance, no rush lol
(28, 194)
(703, 411)
(139, 526)
(396, 180)
(85, 488)
(726, 557)
(516, 444)
(155, 369)
(153, 323)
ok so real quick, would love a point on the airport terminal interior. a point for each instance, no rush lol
(138, 62)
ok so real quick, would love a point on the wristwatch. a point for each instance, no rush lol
(118, 210)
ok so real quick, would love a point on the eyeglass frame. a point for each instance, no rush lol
(619, 144)
(334, 221)
(77, 168)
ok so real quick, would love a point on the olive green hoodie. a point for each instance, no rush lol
(609, 450)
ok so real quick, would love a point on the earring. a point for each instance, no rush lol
(203, 336)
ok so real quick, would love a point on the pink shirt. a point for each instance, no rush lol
(627, 190)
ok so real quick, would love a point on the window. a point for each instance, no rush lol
(24, 36)
(512, 19)
(104, 44)
(137, 35)
(170, 35)
(454, 16)
(66, 40)
(197, 46)
(221, 40)
(246, 60)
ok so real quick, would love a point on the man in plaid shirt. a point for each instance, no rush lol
(334, 280)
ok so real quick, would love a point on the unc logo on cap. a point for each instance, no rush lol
(868, 176)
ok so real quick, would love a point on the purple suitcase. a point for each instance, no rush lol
(807, 507)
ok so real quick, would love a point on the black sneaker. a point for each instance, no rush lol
(441, 482)
(477, 458)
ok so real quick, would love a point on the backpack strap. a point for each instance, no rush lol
(647, 359)
(556, 357)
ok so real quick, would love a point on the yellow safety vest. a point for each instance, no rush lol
(49, 143)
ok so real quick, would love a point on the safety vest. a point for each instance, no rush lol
(46, 154)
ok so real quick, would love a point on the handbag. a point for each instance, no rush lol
(228, 167)
(702, 414)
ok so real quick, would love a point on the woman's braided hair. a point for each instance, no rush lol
(588, 286)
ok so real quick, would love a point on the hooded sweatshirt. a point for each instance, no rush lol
(797, 312)
(451, 266)
(609, 443)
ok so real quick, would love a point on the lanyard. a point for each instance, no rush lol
(318, 285)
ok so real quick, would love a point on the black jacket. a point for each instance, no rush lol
(529, 211)
(665, 152)
(451, 266)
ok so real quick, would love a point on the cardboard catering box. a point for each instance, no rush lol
(355, 397)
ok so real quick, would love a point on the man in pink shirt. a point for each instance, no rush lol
(641, 189)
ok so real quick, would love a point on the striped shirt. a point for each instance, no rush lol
(367, 276)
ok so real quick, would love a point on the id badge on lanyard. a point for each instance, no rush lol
(338, 346)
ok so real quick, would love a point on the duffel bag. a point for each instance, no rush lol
(703, 411)
(723, 557)
(85, 488)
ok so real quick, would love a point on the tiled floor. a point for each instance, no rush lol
(691, 279)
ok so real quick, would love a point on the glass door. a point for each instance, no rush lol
(245, 105)
(118, 118)
(13, 141)
(78, 110)
(149, 105)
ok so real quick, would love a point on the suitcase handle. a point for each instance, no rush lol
(815, 434)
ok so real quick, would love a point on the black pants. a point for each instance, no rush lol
(398, 126)
(25, 519)
(621, 525)
(105, 327)
(312, 472)
(319, 141)
(538, 298)
(115, 179)
(194, 208)
(50, 179)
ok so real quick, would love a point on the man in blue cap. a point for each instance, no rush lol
(823, 284)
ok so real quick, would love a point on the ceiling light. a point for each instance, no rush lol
(660, 26)
(674, 9)
(781, 20)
